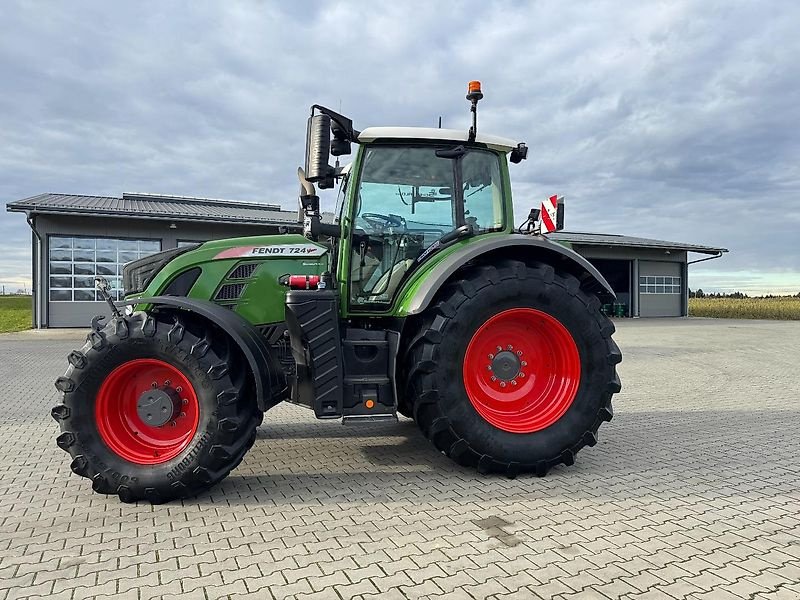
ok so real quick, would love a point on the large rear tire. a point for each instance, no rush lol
(156, 407)
(526, 375)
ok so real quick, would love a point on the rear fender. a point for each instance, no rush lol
(269, 378)
(492, 248)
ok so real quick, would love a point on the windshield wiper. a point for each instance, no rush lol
(457, 233)
(449, 237)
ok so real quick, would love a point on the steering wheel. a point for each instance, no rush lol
(380, 222)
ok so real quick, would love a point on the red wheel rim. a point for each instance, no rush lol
(548, 366)
(119, 422)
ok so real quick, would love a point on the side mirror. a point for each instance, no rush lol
(318, 143)
(340, 145)
(519, 153)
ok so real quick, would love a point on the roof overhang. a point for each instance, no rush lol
(72, 212)
(621, 241)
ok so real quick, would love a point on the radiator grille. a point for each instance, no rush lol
(243, 271)
(230, 291)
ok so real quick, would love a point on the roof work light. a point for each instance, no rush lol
(474, 94)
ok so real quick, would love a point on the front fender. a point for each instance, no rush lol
(269, 378)
(417, 297)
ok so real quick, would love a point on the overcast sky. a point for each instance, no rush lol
(671, 120)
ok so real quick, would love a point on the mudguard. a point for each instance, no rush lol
(269, 377)
(510, 246)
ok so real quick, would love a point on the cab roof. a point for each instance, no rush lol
(371, 134)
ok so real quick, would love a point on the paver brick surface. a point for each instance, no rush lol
(693, 491)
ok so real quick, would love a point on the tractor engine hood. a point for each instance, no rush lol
(242, 274)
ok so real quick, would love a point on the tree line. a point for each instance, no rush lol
(699, 293)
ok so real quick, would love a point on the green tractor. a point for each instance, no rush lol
(423, 299)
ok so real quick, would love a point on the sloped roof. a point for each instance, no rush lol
(605, 239)
(154, 206)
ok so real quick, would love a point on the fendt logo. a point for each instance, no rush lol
(274, 250)
(305, 250)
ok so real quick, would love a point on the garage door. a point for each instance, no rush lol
(74, 261)
(660, 289)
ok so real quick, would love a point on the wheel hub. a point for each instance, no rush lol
(505, 365)
(157, 407)
(147, 411)
(521, 370)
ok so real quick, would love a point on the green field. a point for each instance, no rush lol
(781, 308)
(15, 313)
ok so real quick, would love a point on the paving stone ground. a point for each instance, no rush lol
(692, 492)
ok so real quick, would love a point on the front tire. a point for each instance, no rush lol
(156, 407)
(527, 372)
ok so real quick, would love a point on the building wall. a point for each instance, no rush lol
(79, 314)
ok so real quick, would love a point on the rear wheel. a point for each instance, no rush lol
(526, 376)
(156, 408)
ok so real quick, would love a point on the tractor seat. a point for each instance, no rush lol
(388, 282)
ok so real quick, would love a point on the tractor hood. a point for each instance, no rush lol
(239, 273)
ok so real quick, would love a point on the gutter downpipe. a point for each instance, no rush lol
(717, 255)
(36, 280)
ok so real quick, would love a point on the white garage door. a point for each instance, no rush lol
(72, 265)
(660, 289)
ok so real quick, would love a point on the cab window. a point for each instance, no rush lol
(405, 201)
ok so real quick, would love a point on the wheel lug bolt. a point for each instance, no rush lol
(184, 402)
(513, 382)
(519, 352)
(488, 367)
(179, 389)
(502, 384)
(167, 382)
(524, 364)
(510, 347)
(183, 414)
(172, 424)
(520, 374)
(494, 378)
(499, 349)
(154, 385)
(491, 357)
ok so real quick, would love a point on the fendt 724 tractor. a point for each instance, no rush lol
(423, 298)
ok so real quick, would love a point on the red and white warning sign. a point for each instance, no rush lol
(549, 214)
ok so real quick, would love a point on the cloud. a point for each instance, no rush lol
(673, 121)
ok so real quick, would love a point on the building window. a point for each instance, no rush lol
(74, 262)
(659, 284)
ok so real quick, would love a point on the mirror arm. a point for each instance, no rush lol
(345, 123)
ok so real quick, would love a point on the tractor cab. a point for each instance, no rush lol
(410, 193)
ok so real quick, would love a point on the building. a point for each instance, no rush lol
(650, 277)
(77, 237)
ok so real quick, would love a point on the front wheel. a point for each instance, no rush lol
(156, 407)
(527, 372)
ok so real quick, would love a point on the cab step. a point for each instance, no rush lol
(362, 419)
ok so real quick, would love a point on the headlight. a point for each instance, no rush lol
(138, 274)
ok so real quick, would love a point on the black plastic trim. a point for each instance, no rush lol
(270, 381)
(312, 318)
(182, 284)
(442, 272)
(152, 265)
